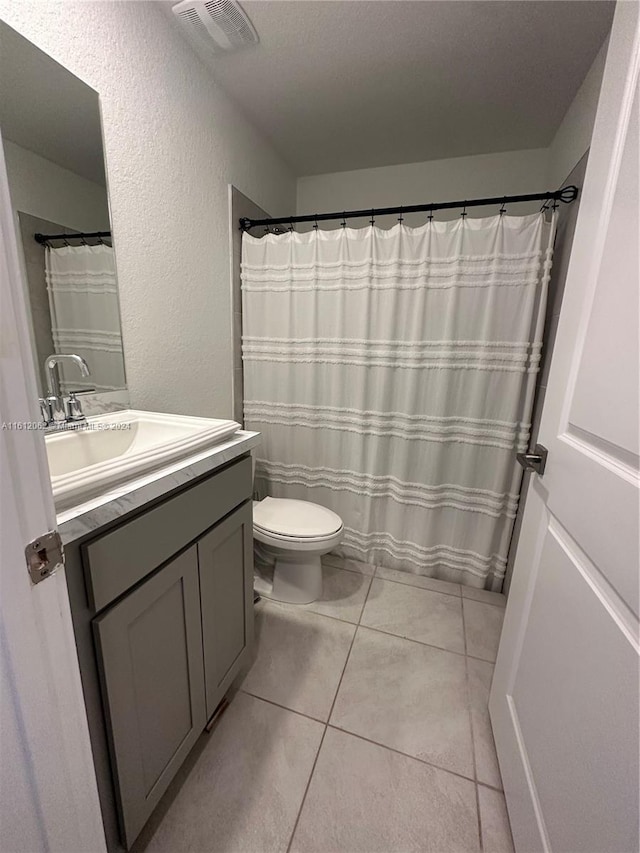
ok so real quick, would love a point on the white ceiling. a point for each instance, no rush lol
(352, 84)
(47, 109)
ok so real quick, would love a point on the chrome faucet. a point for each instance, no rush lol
(56, 410)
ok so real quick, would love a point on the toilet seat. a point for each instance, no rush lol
(294, 535)
(283, 519)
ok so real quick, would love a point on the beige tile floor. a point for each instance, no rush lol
(362, 726)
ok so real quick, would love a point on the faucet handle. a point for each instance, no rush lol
(56, 408)
(73, 408)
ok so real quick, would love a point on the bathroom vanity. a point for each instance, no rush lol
(160, 580)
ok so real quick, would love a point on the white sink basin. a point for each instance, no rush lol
(115, 448)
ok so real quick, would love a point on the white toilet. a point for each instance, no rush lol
(293, 535)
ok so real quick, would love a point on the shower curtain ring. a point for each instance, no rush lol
(65, 241)
(430, 217)
(344, 220)
(503, 209)
(401, 217)
(316, 222)
(291, 224)
(464, 210)
(372, 220)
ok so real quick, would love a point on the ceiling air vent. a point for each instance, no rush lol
(220, 24)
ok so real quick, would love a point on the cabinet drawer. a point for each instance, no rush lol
(118, 560)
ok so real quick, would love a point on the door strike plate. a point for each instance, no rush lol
(44, 555)
(534, 460)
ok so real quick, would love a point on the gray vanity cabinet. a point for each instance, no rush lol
(170, 593)
(225, 560)
(150, 648)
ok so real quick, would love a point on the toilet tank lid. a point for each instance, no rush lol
(295, 518)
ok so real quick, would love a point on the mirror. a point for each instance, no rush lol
(51, 130)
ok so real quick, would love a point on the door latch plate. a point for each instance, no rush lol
(44, 555)
(534, 460)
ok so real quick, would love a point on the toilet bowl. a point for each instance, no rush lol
(292, 536)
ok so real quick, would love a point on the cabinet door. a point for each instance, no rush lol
(225, 558)
(150, 659)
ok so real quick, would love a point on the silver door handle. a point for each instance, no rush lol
(535, 460)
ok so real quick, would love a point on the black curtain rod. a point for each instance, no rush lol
(566, 195)
(96, 235)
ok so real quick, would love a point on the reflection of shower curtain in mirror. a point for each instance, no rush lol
(391, 374)
(85, 318)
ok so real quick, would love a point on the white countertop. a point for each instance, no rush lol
(92, 514)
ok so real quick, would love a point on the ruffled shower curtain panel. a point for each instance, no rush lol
(392, 374)
(85, 317)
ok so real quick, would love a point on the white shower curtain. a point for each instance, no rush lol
(391, 374)
(85, 317)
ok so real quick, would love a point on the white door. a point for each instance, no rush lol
(564, 700)
(48, 794)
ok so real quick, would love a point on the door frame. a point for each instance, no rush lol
(49, 793)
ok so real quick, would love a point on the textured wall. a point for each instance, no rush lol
(173, 141)
(510, 172)
(241, 206)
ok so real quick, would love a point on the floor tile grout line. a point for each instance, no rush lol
(482, 660)
(346, 662)
(417, 586)
(406, 755)
(369, 740)
(364, 604)
(414, 585)
(415, 758)
(488, 603)
(335, 695)
(464, 630)
(360, 624)
(441, 591)
(421, 643)
(479, 818)
(345, 569)
(306, 790)
(306, 608)
(471, 729)
(421, 588)
(313, 768)
(490, 787)
(313, 612)
(284, 707)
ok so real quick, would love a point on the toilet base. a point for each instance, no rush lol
(297, 579)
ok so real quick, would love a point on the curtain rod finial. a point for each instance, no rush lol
(567, 194)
